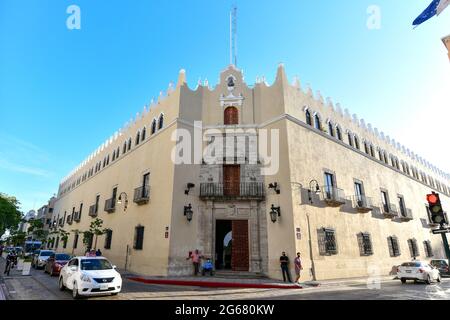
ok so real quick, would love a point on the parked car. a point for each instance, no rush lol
(89, 276)
(442, 265)
(40, 258)
(418, 271)
(55, 263)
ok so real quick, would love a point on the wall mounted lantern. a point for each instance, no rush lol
(313, 188)
(188, 213)
(275, 187)
(124, 199)
(275, 212)
(189, 187)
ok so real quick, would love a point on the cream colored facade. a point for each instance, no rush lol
(306, 153)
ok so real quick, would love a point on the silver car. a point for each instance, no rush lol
(40, 258)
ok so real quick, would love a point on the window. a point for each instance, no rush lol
(385, 158)
(350, 139)
(330, 129)
(153, 126)
(138, 238)
(359, 192)
(394, 249)
(413, 248)
(372, 152)
(161, 122)
(117, 152)
(108, 239)
(329, 185)
(366, 147)
(114, 195)
(75, 240)
(401, 204)
(138, 137)
(129, 144)
(317, 123)
(144, 131)
(385, 200)
(79, 213)
(124, 147)
(356, 142)
(308, 118)
(57, 243)
(114, 155)
(428, 249)
(338, 133)
(97, 200)
(65, 244)
(365, 244)
(327, 242)
(380, 154)
(231, 116)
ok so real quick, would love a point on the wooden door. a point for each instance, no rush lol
(231, 180)
(231, 116)
(240, 250)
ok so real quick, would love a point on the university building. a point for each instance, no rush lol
(348, 197)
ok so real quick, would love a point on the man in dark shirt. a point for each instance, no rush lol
(284, 262)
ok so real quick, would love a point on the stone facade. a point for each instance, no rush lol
(307, 151)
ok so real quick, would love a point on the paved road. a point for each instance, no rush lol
(40, 286)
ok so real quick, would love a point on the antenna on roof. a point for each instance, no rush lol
(233, 35)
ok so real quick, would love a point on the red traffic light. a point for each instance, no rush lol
(432, 198)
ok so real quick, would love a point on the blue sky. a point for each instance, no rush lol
(64, 92)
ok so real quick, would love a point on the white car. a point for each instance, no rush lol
(90, 276)
(418, 271)
(40, 258)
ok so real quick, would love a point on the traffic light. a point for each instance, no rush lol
(437, 213)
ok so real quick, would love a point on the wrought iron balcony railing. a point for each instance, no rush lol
(142, 195)
(242, 190)
(110, 205)
(333, 196)
(362, 203)
(389, 210)
(93, 212)
(406, 215)
(76, 217)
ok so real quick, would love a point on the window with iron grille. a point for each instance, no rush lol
(65, 244)
(365, 244)
(108, 239)
(138, 238)
(394, 248)
(327, 242)
(75, 241)
(428, 249)
(413, 248)
(57, 243)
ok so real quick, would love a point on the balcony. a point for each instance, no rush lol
(76, 216)
(406, 215)
(93, 212)
(142, 195)
(70, 219)
(110, 205)
(389, 210)
(362, 204)
(334, 197)
(241, 191)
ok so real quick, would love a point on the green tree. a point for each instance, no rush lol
(17, 238)
(10, 215)
(37, 230)
(95, 230)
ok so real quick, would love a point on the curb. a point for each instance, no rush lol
(211, 284)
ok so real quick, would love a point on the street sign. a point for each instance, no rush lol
(440, 231)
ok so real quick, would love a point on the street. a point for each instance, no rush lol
(40, 286)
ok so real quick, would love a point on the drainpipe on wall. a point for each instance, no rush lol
(313, 269)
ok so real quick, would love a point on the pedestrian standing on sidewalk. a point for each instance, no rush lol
(298, 266)
(98, 253)
(284, 262)
(195, 257)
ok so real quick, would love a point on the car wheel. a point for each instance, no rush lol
(403, 280)
(114, 294)
(75, 293)
(438, 279)
(428, 281)
(61, 284)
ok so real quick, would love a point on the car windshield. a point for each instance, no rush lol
(46, 253)
(95, 264)
(412, 264)
(438, 263)
(62, 257)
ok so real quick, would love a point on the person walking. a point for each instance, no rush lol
(10, 258)
(298, 267)
(195, 257)
(284, 262)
